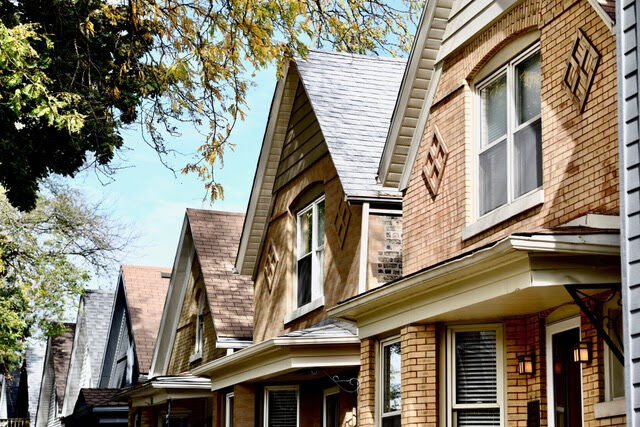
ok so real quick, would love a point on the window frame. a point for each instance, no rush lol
(199, 333)
(317, 283)
(267, 389)
(609, 357)
(396, 339)
(228, 421)
(507, 69)
(327, 392)
(450, 375)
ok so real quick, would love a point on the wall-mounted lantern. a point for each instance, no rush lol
(526, 365)
(582, 352)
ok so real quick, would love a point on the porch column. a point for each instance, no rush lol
(367, 378)
(419, 375)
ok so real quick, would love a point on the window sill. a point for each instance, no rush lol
(195, 357)
(612, 408)
(305, 309)
(503, 213)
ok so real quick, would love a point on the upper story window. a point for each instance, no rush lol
(310, 252)
(199, 324)
(510, 150)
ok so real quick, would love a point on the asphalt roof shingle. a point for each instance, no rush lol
(97, 306)
(326, 328)
(216, 236)
(146, 290)
(353, 97)
(61, 347)
(99, 397)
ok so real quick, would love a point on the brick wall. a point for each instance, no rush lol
(244, 401)
(419, 375)
(367, 378)
(385, 249)
(579, 150)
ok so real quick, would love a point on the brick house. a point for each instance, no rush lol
(207, 314)
(319, 229)
(504, 145)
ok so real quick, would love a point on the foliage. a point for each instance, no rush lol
(159, 63)
(47, 255)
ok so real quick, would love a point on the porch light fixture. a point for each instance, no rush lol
(526, 364)
(582, 352)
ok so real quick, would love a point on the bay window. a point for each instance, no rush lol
(474, 372)
(510, 138)
(391, 393)
(310, 253)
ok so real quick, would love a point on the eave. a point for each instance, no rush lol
(161, 389)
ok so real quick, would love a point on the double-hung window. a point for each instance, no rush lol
(391, 393)
(199, 325)
(475, 376)
(510, 138)
(310, 253)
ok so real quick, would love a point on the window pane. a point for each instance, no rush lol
(528, 88)
(527, 162)
(283, 408)
(476, 367)
(493, 178)
(494, 111)
(332, 410)
(304, 280)
(392, 384)
(230, 411)
(320, 235)
(477, 417)
(391, 421)
(305, 227)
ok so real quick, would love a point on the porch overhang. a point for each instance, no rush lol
(519, 274)
(159, 390)
(279, 356)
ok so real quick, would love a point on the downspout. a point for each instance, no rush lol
(364, 248)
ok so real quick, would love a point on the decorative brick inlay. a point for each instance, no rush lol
(581, 69)
(341, 221)
(271, 265)
(437, 155)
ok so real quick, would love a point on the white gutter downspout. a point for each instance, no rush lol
(364, 248)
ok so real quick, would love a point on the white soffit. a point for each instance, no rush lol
(416, 82)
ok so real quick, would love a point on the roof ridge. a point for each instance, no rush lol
(147, 266)
(359, 55)
(216, 211)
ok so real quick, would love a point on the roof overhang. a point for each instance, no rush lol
(161, 389)
(281, 355)
(513, 276)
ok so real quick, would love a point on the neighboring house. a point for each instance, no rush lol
(92, 325)
(54, 378)
(504, 145)
(628, 33)
(98, 406)
(135, 318)
(319, 229)
(13, 398)
(35, 354)
(208, 314)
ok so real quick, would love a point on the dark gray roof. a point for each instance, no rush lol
(97, 306)
(326, 328)
(353, 97)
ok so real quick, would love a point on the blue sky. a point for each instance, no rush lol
(146, 197)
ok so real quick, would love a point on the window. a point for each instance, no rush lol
(331, 408)
(474, 372)
(310, 257)
(281, 406)
(199, 324)
(614, 370)
(228, 410)
(510, 138)
(391, 383)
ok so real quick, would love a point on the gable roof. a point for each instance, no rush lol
(352, 97)
(145, 290)
(97, 307)
(61, 347)
(99, 397)
(215, 236)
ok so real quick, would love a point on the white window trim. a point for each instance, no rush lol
(327, 392)
(317, 286)
(280, 387)
(379, 384)
(513, 206)
(227, 414)
(199, 341)
(500, 370)
(550, 330)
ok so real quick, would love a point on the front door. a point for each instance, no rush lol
(564, 376)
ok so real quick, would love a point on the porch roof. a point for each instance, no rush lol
(159, 389)
(512, 276)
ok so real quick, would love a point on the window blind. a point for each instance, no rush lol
(282, 408)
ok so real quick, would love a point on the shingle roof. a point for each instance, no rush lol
(61, 352)
(326, 328)
(146, 291)
(609, 6)
(97, 306)
(216, 236)
(99, 397)
(353, 97)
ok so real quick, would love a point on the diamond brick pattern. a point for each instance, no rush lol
(341, 221)
(437, 155)
(271, 265)
(581, 69)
